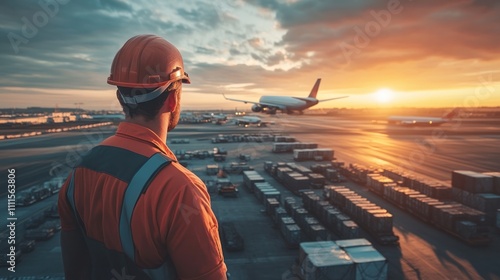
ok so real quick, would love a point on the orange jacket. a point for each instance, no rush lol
(172, 217)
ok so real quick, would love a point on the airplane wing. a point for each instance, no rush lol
(263, 104)
(239, 100)
(332, 98)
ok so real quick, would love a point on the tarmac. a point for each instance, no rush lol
(424, 252)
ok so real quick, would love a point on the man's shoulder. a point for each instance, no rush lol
(176, 172)
(178, 179)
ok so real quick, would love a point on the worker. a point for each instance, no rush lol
(129, 210)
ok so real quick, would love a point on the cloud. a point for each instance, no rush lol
(456, 29)
(204, 17)
(115, 5)
(278, 46)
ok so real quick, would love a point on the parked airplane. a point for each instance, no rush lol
(215, 117)
(286, 104)
(250, 120)
(422, 121)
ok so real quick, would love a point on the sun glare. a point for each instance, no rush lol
(384, 95)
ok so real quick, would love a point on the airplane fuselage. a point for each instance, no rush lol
(289, 103)
(415, 121)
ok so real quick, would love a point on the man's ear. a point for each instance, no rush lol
(172, 102)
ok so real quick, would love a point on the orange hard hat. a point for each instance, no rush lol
(147, 61)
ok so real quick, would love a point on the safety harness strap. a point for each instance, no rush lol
(135, 188)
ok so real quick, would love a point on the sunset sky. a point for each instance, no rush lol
(413, 53)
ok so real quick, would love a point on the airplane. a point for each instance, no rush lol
(422, 121)
(215, 118)
(286, 104)
(250, 120)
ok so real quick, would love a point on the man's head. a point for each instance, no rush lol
(149, 72)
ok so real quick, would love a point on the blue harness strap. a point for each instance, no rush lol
(132, 194)
(135, 188)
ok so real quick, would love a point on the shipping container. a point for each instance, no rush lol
(292, 235)
(271, 204)
(471, 181)
(349, 230)
(496, 181)
(319, 232)
(368, 262)
(350, 243)
(299, 214)
(278, 213)
(285, 221)
(250, 178)
(335, 265)
(280, 138)
(316, 247)
(289, 202)
(310, 154)
(270, 193)
(370, 217)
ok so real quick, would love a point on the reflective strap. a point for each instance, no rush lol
(136, 99)
(70, 192)
(132, 193)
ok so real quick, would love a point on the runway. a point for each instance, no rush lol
(428, 151)
(425, 252)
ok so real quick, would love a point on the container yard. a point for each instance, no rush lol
(466, 223)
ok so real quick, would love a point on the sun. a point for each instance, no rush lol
(383, 95)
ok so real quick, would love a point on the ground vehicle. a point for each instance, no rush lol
(41, 193)
(220, 151)
(230, 237)
(244, 157)
(219, 157)
(25, 198)
(226, 188)
(220, 139)
(237, 167)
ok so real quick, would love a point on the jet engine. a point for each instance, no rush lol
(256, 108)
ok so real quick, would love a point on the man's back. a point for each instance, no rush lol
(171, 220)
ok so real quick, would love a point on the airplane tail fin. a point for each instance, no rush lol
(314, 90)
(455, 112)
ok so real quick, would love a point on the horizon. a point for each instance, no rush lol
(248, 110)
(382, 54)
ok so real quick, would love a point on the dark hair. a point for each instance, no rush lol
(148, 109)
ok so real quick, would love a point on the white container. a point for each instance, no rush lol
(317, 247)
(368, 262)
(335, 265)
(347, 243)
